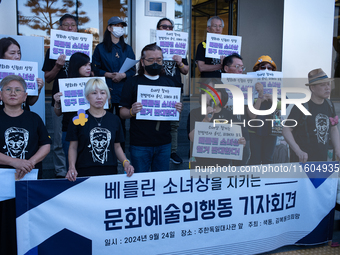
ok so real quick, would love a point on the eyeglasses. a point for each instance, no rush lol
(239, 67)
(153, 60)
(166, 27)
(16, 91)
(264, 67)
(217, 26)
(69, 25)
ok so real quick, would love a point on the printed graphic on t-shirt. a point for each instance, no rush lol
(99, 142)
(215, 61)
(16, 140)
(170, 67)
(322, 127)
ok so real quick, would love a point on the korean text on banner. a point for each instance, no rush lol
(222, 45)
(242, 81)
(67, 43)
(170, 212)
(25, 69)
(73, 97)
(172, 43)
(217, 141)
(158, 102)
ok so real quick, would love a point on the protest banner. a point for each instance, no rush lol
(217, 141)
(172, 43)
(25, 69)
(171, 213)
(222, 45)
(269, 80)
(63, 42)
(242, 81)
(73, 97)
(158, 102)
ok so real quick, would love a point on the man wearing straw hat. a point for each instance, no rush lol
(309, 140)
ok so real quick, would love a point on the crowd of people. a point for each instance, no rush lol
(95, 147)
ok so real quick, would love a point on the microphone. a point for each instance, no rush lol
(212, 104)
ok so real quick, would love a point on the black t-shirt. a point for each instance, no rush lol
(145, 132)
(21, 136)
(200, 56)
(173, 71)
(67, 118)
(48, 66)
(318, 128)
(96, 142)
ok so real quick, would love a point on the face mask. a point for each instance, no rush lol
(153, 69)
(118, 32)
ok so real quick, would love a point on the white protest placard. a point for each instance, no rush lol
(73, 97)
(242, 81)
(172, 43)
(128, 63)
(220, 141)
(222, 45)
(25, 69)
(158, 102)
(269, 80)
(63, 42)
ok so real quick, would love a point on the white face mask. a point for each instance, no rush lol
(118, 32)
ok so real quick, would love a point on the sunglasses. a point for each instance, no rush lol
(166, 27)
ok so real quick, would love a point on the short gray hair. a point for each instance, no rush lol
(5, 81)
(214, 17)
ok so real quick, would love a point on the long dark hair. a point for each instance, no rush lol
(152, 47)
(108, 42)
(5, 43)
(77, 60)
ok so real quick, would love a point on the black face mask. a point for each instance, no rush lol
(154, 69)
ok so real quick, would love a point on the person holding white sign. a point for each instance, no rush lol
(214, 112)
(210, 67)
(108, 58)
(174, 69)
(55, 69)
(262, 142)
(80, 66)
(10, 49)
(24, 143)
(150, 141)
(95, 137)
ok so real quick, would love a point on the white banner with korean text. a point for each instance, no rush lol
(217, 141)
(172, 43)
(73, 97)
(67, 43)
(158, 102)
(222, 45)
(171, 213)
(25, 69)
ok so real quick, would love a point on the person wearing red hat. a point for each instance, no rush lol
(309, 140)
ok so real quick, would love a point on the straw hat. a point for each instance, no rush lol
(317, 76)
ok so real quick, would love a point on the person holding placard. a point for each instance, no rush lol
(24, 143)
(150, 141)
(262, 143)
(210, 67)
(80, 66)
(95, 137)
(10, 49)
(108, 58)
(174, 69)
(214, 112)
(234, 64)
(54, 70)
